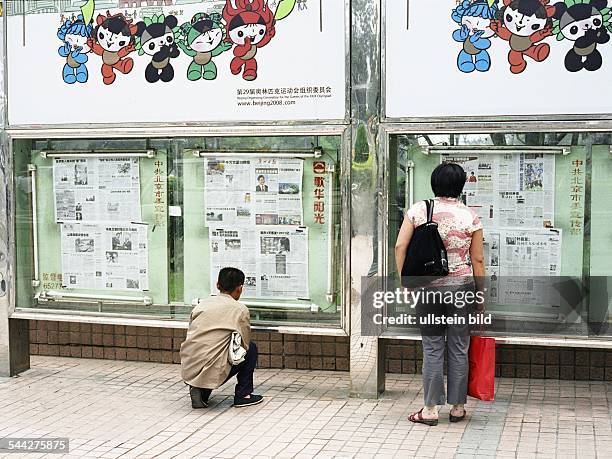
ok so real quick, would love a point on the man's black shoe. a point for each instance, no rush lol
(252, 400)
(197, 400)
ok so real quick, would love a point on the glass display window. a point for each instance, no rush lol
(141, 227)
(542, 200)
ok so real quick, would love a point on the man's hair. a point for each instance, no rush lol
(260, 177)
(230, 279)
(448, 180)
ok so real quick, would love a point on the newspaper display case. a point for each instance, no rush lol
(493, 108)
(110, 186)
(531, 242)
(134, 234)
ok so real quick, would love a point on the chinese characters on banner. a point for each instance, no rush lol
(318, 207)
(51, 281)
(112, 256)
(253, 208)
(159, 193)
(576, 190)
(96, 189)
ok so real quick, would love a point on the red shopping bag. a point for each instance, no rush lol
(481, 382)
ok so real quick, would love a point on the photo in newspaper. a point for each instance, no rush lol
(511, 189)
(96, 189)
(256, 191)
(111, 256)
(518, 262)
(274, 259)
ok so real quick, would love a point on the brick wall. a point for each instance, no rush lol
(303, 352)
(518, 361)
(149, 344)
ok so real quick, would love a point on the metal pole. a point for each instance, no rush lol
(53, 295)
(148, 153)
(410, 197)
(32, 171)
(316, 153)
(368, 199)
(330, 242)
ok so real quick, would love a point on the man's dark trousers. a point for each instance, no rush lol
(244, 372)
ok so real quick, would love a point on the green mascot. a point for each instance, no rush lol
(202, 39)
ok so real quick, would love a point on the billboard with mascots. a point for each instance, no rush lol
(498, 57)
(122, 61)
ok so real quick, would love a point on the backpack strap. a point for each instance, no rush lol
(430, 209)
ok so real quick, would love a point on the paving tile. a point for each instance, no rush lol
(132, 409)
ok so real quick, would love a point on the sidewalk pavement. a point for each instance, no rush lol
(128, 409)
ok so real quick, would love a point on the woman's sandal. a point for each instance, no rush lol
(452, 418)
(418, 418)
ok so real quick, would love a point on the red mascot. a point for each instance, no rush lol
(113, 39)
(250, 25)
(524, 24)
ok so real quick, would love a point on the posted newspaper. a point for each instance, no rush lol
(517, 262)
(97, 189)
(274, 259)
(256, 191)
(509, 190)
(111, 256)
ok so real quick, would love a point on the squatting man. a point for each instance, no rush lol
(205, 361)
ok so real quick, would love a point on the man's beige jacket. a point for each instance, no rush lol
(204, 354)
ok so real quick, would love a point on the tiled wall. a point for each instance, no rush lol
(149, 344)
(518, 361)
(302, 352)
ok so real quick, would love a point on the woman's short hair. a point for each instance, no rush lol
(448, 180)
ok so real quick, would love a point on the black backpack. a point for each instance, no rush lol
(426, 254)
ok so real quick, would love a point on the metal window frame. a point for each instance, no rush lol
(144, 131)
(468, 126)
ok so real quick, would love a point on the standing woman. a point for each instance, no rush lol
(461, 231)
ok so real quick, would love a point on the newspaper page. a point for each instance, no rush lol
(283, 262)
(509, 190)
(96, 189)
(256, 191)
(278, 191)
(517, 262)
(274, 259)
(228, 192)
(112, 256)
(235, 247)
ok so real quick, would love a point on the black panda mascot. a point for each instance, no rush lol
(157, 40)
(585, 23)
